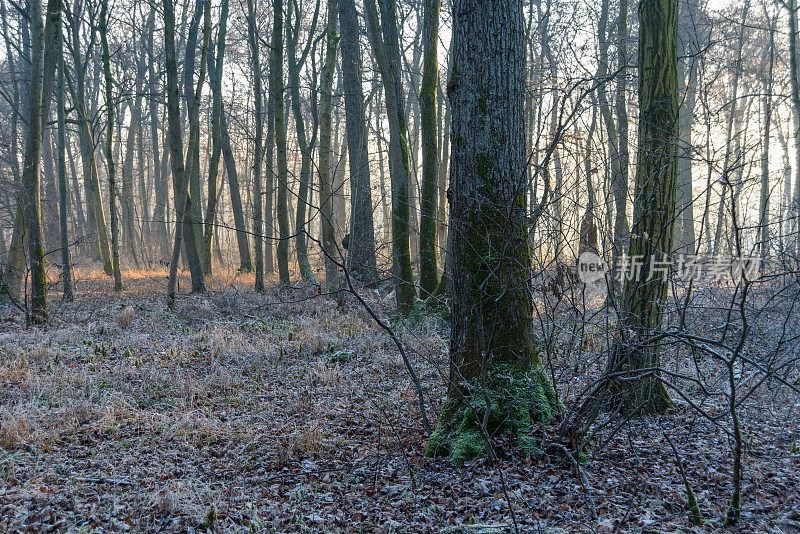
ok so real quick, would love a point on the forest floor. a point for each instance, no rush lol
(290, 412)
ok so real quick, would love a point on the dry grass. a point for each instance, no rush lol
(286, 412)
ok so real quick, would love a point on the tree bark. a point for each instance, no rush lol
(306, 147)
(497, 381)
(634, 385)
(258, 223)
(215, 79)
(361, 247)
(176, 159)
(428, 268)
(277, 92)
(31, 170)
(66, 263)
(112, 170)
(386, 48)
(325, 119)
(687, 84)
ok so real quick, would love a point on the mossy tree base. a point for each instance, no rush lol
(515, 400)
(639, 391)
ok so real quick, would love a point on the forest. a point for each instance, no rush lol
(400, 266)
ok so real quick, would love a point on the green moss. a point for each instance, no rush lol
(734, 509)
(513, 398)
(694, 508)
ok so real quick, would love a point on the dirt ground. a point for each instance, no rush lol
(236, 412)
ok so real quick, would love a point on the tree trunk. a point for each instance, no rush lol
(126, 199)
(794, 75)
(180, 181)
(193, 217)
(45, 53)
(215, 79)
(277, 92)
(258, 224)
(96, 221)
(634, 385)
(306, 148)
(361, 247)
(66, 264)
(620, 184)
(112, 173)
(687, 83)
(326, 105)
(269, 189)
(159, 178)
(497, 382)
(766, 102)
(386, 48)
(31, 170)
(428, 268)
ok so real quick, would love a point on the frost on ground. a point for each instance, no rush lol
(236, 412)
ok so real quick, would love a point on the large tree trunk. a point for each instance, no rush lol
(428, 268)
(386, 47)
(277, 92)
(112, 173)
(326, 105)
(634, 385)
(497, 381)
(361, 247)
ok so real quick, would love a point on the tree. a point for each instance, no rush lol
(428, 269)
(112, 174)
(326, 105)
(306, 146)
(634, 384)
(258, 223)
(66, 264)
(159, 178)
(215, 80)
(386, 47)
(497, 381)
(81, 61)
(193, 217)
(276, 90)
(767, 72)
(176, 158)
(687, 82)
(45, 51)
(31, 173)
(361, 250)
